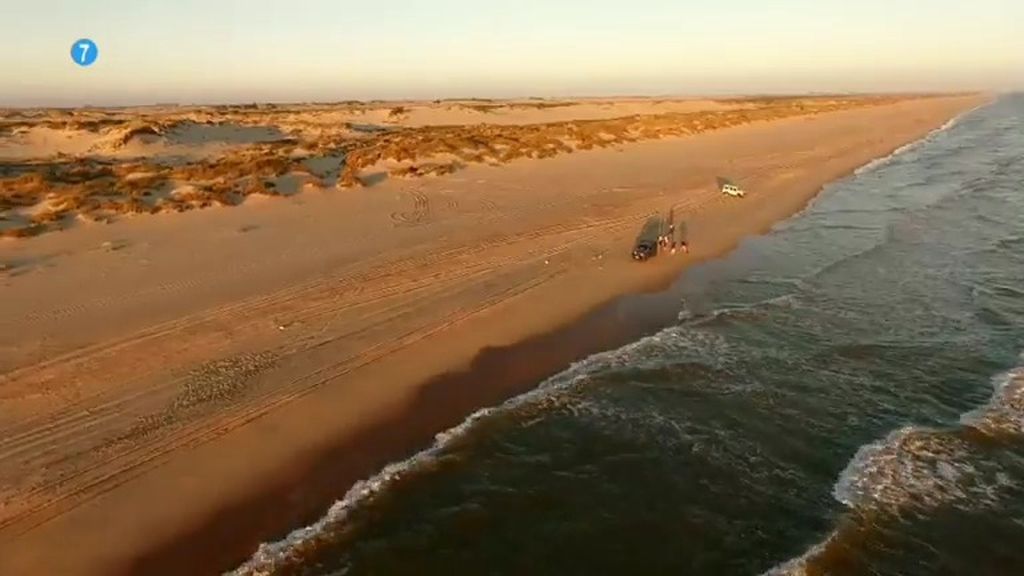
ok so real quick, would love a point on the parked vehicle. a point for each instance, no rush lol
(644, 250)
(646, 245)
(730, 188)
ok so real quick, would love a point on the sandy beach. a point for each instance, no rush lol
(181, 384)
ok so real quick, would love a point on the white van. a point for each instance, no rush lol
(730, 189)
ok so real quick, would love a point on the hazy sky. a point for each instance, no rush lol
(290, 50)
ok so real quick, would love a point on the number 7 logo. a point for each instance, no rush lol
(84, 52)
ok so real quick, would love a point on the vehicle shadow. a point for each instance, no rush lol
(646, 243)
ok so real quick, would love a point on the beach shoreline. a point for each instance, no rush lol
(522, 333)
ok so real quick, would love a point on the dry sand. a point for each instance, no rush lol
(162, 376)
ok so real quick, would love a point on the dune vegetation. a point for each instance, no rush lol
(112, 179)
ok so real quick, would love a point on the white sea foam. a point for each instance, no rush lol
(917, 467)
(1004, 412)
(882, 161)
(798, 566)
(925, 467)
(878, 162)
(759, 308)
(274, 554)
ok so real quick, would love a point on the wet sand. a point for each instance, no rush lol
(338, 376)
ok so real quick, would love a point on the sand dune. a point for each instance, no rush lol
(164, 369)
(98, 166)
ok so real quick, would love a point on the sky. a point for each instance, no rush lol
(213, 51)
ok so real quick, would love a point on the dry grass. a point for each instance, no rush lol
(105, 190)
(500, 144)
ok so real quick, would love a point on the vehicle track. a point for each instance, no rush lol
(357, 284)
(420, 213)
(320, 299)
(191, 436)
(462, 269)
(89, 425)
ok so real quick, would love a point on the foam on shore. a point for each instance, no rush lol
(879, 162)
(922, 467)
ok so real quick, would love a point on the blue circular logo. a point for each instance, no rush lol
(84, 52)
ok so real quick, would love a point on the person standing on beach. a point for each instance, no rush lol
(663, 235)
(682, 238)
(672, 227)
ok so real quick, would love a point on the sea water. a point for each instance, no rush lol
(844, 395)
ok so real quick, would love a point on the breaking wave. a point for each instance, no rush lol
(923, 468)
(738, 311)
(917, 467)
(673, 340)
(1004, 412)
(879, 162)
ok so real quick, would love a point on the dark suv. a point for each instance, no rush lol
(644, 250)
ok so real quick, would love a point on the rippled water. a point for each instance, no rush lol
(844, 395)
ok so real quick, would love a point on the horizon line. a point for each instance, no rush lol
(572, 98)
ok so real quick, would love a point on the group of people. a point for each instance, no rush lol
(669, 240)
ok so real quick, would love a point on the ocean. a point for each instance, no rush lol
(843, 395)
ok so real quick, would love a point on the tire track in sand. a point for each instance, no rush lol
(74, 425)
